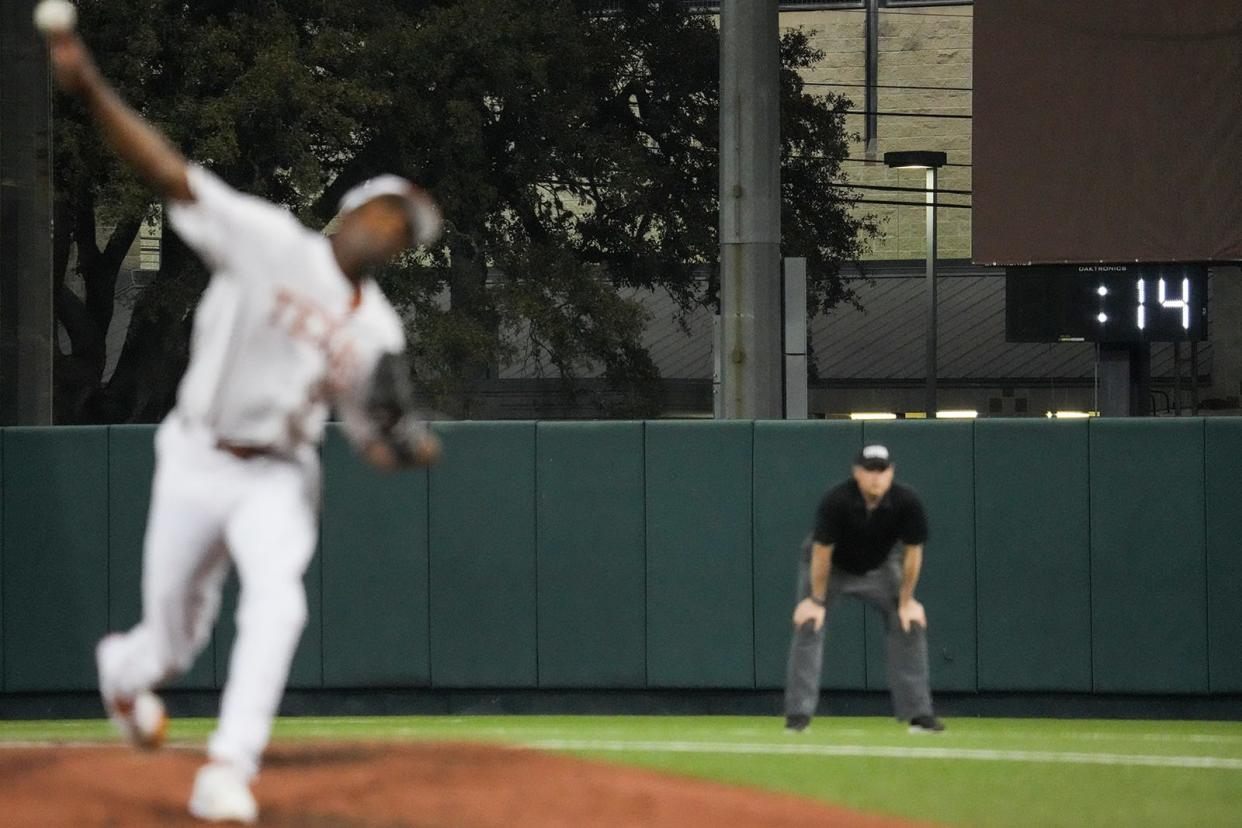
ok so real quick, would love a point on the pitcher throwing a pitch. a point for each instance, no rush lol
(289, 324)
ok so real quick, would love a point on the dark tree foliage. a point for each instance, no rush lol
(574, 154)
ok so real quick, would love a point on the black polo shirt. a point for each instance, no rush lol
(861, 541)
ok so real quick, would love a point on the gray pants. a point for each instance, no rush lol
(907, 652)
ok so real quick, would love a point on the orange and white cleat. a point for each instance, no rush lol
(142, 719)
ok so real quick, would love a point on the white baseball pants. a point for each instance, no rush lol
(209, 507)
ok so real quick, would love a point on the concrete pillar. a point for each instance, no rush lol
(796, 391)
(1125, 380)
(26, 317)
(1225, 334)
(750, 214)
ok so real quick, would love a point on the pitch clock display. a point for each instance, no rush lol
(1106, 303)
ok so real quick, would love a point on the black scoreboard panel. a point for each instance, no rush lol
(1106, 303)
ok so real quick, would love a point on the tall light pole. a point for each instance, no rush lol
(750, 211)
(931, 162)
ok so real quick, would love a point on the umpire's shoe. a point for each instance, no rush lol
(222, 794)
(926, 724)
(140, 718)
(796, 723)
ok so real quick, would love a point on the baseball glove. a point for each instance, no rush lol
(391, 433)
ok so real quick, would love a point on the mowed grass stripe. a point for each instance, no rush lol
(973, 754)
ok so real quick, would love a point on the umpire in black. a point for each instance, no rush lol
(868, 542)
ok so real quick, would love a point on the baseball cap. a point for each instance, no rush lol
(425, 219)
(874, 458)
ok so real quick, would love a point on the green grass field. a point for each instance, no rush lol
(985, 772)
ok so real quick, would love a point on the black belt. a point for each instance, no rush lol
(245, 452)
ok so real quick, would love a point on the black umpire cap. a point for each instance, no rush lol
(874, 458)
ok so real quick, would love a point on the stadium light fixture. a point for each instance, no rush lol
(872, 415)
(915, 160)
(957, 414)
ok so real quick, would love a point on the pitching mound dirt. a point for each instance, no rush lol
(389, 785)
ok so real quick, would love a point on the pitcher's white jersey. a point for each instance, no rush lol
(279, 331)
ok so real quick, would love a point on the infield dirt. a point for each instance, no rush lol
(390, 785)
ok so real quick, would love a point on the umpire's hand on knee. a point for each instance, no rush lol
(911, 612)
(808, 610)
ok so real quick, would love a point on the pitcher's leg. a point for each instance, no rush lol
(183, 567)
(271, 539)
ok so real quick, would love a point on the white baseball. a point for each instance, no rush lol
(54, 17)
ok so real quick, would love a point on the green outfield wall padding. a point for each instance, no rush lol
(700, 604)
(591, 574)
(3, 488)
(1064, 557)
(796, 463)
(1224, 554)
(131, 463)
(374, 552)
(936, 457)
(1148, 578)
(1033, 553)
(56, 556)
(482, 552)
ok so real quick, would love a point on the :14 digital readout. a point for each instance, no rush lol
(1141, 302)
(1114, 303)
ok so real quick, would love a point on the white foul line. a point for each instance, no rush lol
(877, 751)
(40, 744)
(976, 754)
